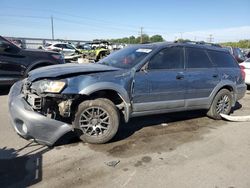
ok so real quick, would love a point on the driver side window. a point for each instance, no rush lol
(3, 45)
(168, 58)
(6, 47)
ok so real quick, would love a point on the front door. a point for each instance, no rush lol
(163, 84)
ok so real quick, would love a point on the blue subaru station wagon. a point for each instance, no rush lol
(139, 80)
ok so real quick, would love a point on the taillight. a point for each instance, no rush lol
(57, 56)
(242, 70)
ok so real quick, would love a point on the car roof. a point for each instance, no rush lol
(207, 46)
(60, 43)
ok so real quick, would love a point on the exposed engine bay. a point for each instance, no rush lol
(54, 106)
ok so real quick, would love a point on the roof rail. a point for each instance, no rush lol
(199, 42)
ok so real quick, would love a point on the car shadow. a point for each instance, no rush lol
(21, 170)
(236, 107)
(4, 90)
(68, 138)
(136, 124)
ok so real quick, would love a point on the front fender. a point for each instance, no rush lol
(106, 86)
(122, 92)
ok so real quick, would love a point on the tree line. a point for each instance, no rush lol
(240, 44)
(158, 38)
(136, 40)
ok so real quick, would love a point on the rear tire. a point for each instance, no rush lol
(98, 120)
(222, 103)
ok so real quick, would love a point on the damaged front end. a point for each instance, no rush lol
(45, 98)
(38, 115)
(43, 106)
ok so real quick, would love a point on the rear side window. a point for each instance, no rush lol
(222, 59)
(58, 45)
(169, 58)
(197, 58)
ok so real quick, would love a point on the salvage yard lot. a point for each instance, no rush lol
(170, 150)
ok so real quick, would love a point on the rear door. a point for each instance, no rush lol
(227, 65)
(163, 86)
(202, 77)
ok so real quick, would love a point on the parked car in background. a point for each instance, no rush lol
(16, 62)
(65, 48)
(94, 50)
(246, 68)
(237, 53)
(91, 99)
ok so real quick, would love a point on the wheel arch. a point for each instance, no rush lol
(224, 85)
(112, 92)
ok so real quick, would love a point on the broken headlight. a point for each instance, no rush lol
(49, 86)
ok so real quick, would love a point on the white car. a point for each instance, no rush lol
(66, 48)
(246, 67)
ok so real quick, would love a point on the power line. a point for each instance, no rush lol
(93, 25)
(100, 21)
(97, 26)
(24, 16)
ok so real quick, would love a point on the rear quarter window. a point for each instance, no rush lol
(222, 59)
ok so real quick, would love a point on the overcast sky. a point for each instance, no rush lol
(223, 20)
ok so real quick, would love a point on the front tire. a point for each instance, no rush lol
(222, 103)
(98, 120)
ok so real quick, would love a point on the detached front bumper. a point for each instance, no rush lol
(30, 124)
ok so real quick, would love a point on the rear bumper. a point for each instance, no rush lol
(240, 91)
(30, 124)
(247, 80)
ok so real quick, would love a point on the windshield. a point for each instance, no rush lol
(69, 46)
(126, 58)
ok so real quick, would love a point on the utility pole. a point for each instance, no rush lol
(141, 34)
(52, 27)
(181, 35)
(210, 38)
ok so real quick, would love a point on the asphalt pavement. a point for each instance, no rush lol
(185, 149)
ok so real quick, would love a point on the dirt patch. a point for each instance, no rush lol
(144, 160)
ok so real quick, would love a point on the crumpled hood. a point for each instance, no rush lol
(54, 71)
